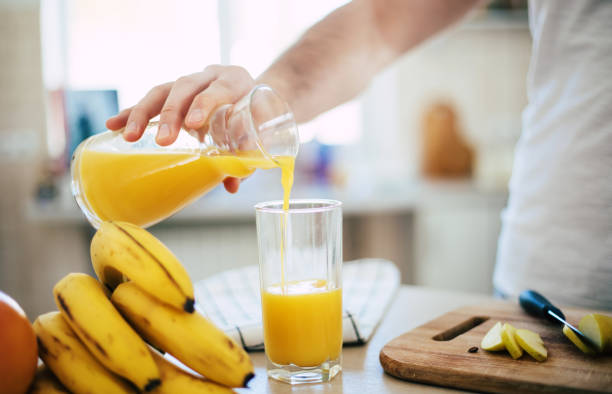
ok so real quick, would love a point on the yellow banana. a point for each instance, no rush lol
(88, 311)
(121, 250)
(46, 383)
(191, 338)
(64, 353)
(175, 380)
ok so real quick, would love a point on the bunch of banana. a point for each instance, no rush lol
(191, 338)
(90, 346)
(88, 311)
(122, 251)
(80, 372)
(68, 358)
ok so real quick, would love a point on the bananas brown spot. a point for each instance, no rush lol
(64, 306)
(214, 360)
(71, 334)
(189, 305)
(42, 349)
(56, 340)
(134, 387)
(151, 384)
(89, 338)
(247, 378)
(132, 253)
(230, 343)
(100, 348)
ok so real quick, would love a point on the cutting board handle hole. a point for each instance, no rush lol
(460, 328)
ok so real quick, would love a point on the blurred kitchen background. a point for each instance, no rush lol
(421, 160)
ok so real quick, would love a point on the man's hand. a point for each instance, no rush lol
(188, 101)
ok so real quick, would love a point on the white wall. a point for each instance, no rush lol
(479, 69)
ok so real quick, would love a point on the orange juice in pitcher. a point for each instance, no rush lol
(144, 183)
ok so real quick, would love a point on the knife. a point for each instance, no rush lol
(536, 304)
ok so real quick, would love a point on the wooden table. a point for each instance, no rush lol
(362, 372)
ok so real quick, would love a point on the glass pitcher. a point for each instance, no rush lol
(143, 183)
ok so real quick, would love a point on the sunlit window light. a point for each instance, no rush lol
(259, 31)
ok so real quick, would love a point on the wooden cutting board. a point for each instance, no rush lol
(437, 353)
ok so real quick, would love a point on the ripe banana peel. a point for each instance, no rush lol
(176, 380)
(46, 383)
(84, 305)
(191, 338)
(64, 353)
(121, 251)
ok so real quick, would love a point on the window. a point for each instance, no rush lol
(131, 46)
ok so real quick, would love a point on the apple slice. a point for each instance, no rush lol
(571, 335)
(606, 323)
(599, 329)
(510, 343)
(492, 340)
(531, 343)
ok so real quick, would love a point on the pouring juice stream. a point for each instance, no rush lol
(287, 165)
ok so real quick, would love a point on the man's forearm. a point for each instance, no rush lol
(329, 64)
(336, 58)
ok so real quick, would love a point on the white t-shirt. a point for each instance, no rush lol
(557, 229)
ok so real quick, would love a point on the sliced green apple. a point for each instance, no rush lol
(606, 322)
(492, 340)
(509, 341)
(571, 335)
(598, 328)
(531, 343)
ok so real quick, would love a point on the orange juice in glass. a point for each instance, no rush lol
(300, 260)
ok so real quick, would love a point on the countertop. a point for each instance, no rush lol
(362, 372)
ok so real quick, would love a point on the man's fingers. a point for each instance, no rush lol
(190, 101)
(228, 87)
(231, 184)
(141, 113)
(118, 121)
(175, 107)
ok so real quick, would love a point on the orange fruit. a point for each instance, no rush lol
(18, 349)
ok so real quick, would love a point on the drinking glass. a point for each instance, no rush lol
(300, 261)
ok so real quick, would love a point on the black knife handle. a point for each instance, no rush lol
(536, 304)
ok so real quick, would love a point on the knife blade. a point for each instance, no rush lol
(536, 304)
